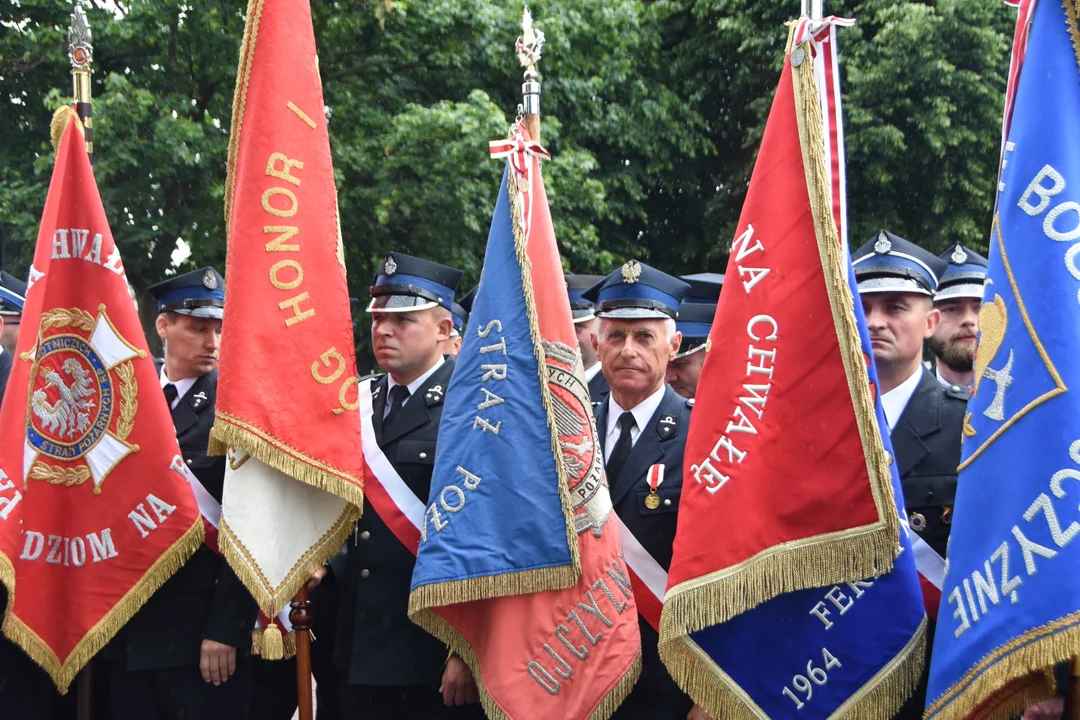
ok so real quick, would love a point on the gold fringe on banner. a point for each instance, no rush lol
(522, 582)
(243, 77)
(60, 119)
(447, 633)
(827, 559)
(1034, 651)
(272, 600)
(231, 431)
(721, 697)
(64, 672)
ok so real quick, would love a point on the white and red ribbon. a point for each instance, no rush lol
(524, 155)
(931, 567)
(396, 504)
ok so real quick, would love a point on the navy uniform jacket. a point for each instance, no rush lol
(663, 440)
(926, 441)
(204, 599)
(598, 387)
(377, 642)
(5, 370)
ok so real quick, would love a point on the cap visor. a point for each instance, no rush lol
(634, 313)
(399, 303)
(691, 351)
(892, 284)
(210, 313)
(964, 290)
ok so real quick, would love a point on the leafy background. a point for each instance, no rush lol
(652, 110)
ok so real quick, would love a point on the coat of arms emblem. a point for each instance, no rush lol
(631, 271)
(581, 456)
(83, 399)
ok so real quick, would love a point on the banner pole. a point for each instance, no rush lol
(81, 54)
(528, 49)
(301, 616)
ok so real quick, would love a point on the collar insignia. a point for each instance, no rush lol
(883, 244)
(199, 398)
(434, 394)
(667, 426)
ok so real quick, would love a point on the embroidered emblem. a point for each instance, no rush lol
(631, 271)
(375, 391)
(667, 426)
(390, 266)
(582, 460)
(83, 399)
(199, 399)
(958, 256)
(1006, 406)
(917, 521)
(209, 280)
(237, 458)
(883, 244)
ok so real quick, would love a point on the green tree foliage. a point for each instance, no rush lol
(653, 112)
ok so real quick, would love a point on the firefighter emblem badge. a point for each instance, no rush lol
(581, 457)
(83, 399)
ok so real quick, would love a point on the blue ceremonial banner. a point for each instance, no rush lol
(1011, 599)
(519, 568)
(494, 428)
(854, 647)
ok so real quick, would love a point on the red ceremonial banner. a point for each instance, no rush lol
(287, 382)
(783, 431)
(95, 510)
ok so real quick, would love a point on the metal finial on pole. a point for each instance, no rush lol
(81, 53)
(528, 48)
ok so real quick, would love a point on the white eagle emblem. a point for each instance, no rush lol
(70, 415)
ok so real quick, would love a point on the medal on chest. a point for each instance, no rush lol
(655, 479)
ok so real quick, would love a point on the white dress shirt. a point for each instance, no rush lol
(643, 413)
(412, 387)
(894, 401)
(182, 386)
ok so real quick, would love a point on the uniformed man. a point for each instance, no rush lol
(12, 297)
(585, 325)
(452, 346)
(185, 652)
(897, 281)
(958, 298)
(642, 424)
(390, 667)
(696, 313)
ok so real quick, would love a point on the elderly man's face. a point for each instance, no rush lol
(635, 354)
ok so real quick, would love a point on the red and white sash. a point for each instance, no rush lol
(394, 501)
(931, 567)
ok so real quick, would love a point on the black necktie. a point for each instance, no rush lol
(398, 395)
(170, 394)
(621, 450)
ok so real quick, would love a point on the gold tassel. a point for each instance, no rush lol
(60, 119)
(273, 646)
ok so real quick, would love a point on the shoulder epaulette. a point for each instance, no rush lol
(957, 392)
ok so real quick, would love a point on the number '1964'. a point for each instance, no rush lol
(804, 684)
